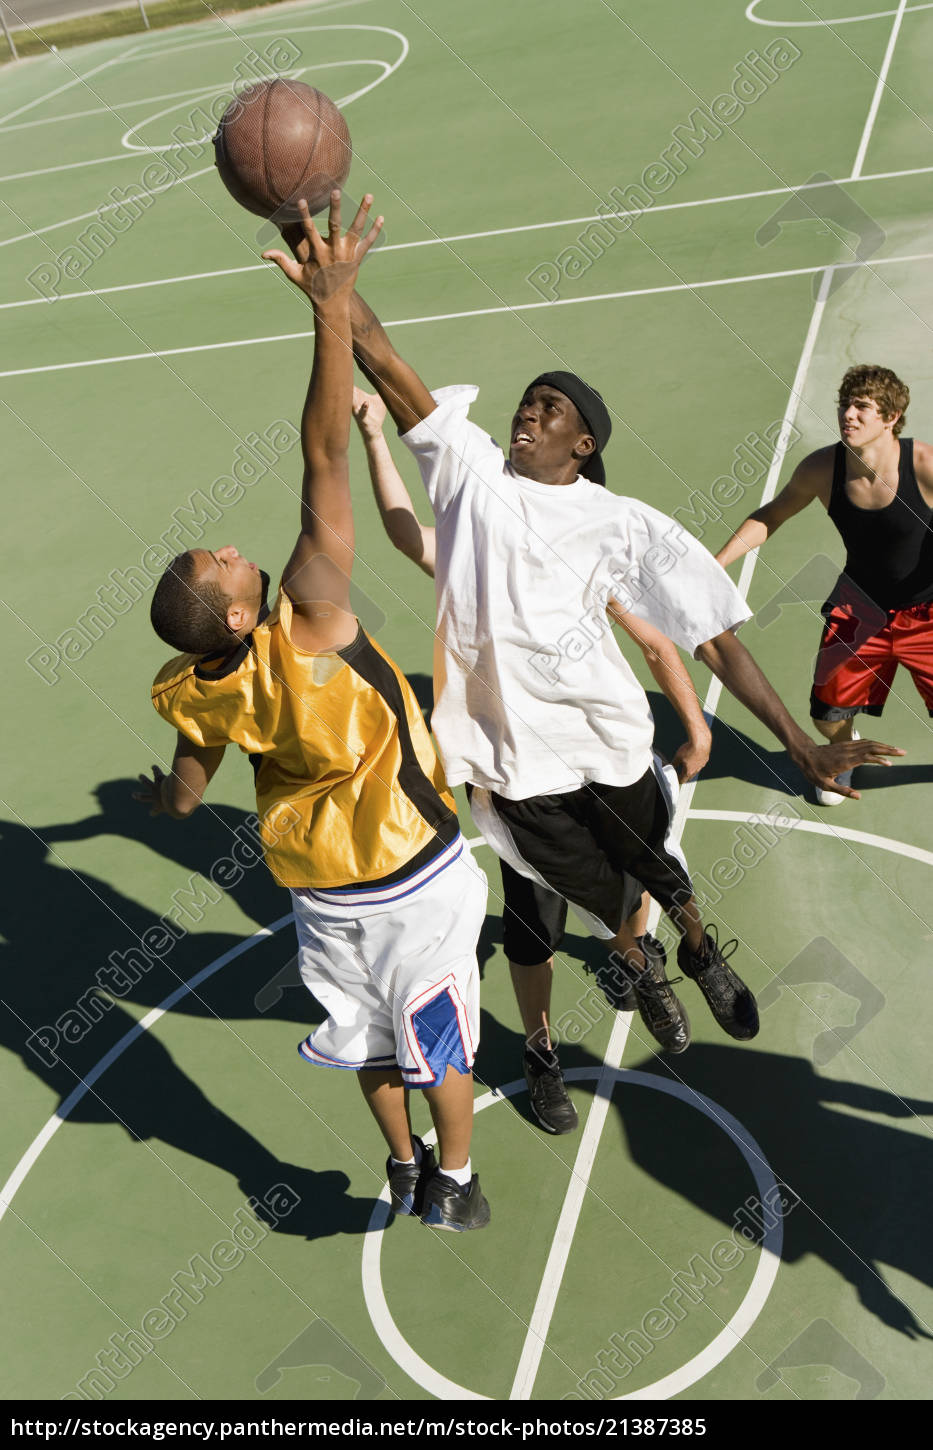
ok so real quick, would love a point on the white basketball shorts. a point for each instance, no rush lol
(395, 969)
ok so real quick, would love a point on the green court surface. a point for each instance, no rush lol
(137, 362)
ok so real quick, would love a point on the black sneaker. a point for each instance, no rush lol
(730, 1001)
(615, 978)
(659, 1006)
(549, 1099)
(407, 1181)
(447, 1205)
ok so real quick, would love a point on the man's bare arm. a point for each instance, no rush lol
(179, 793)
(805, 484)
(317, 576)
(407, 398)
(672, 676)
(401, 523)
(731, 662)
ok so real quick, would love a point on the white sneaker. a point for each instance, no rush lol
(832, 797)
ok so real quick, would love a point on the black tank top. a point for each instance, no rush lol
(889, 551)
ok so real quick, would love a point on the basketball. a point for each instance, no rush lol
(279, 142)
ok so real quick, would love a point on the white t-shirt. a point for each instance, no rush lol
(533, 695)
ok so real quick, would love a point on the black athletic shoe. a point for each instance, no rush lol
(616, 979)
(550, 1102)
(730, 1001)
(447, 1205)
(659, 1006)
(407, 1181)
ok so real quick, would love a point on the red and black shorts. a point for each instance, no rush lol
(860, 651)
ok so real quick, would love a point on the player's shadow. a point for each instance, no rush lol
(734, 755)
(865, 1185)
(59, 928)
(867, 778)
(195, 844)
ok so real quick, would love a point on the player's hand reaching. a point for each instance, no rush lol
(369, 411)
(824, 762)
(151, 793)
(333, 261)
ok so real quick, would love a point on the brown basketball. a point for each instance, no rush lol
(281, 141)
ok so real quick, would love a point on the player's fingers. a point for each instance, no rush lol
(288, 265)
(359, 221)
(305, 219)
(333, 216)
(371, 235)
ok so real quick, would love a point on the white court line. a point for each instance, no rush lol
(108, 110)
(41, 1140)
(821, 828)
(879, 91)
(155, 152)
(826, 24)
(102, 210)
(76, 81)
(457, 316)
(552, 1278)
(731, 1333)
(536, 1338)
(65, 166)
(462, 236)
(145, 148)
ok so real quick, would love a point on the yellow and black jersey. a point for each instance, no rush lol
(348, 787)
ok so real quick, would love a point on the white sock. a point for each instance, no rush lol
(461, 1176)
(407, 1162)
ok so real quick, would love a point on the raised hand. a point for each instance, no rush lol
(369, 411)
(333, 261)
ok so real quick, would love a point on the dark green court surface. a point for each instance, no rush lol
(738, 1223)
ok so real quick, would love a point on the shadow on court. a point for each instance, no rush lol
(734, 756)
(61, 927)
(864, 1185)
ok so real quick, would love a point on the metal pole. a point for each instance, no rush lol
(9, 38)
(142, 11)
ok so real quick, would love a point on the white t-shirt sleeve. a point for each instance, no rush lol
(665, 576)
(450, 450)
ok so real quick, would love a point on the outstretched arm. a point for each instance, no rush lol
(399, 519)
(731, 662)
(803, 488)
(317, 576)
(179, 793)
(407, 398)
(671, 674)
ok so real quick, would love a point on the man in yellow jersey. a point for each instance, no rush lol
(356, 817)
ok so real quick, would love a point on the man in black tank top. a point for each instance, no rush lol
(878, 490)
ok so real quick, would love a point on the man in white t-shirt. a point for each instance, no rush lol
(535, 704)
